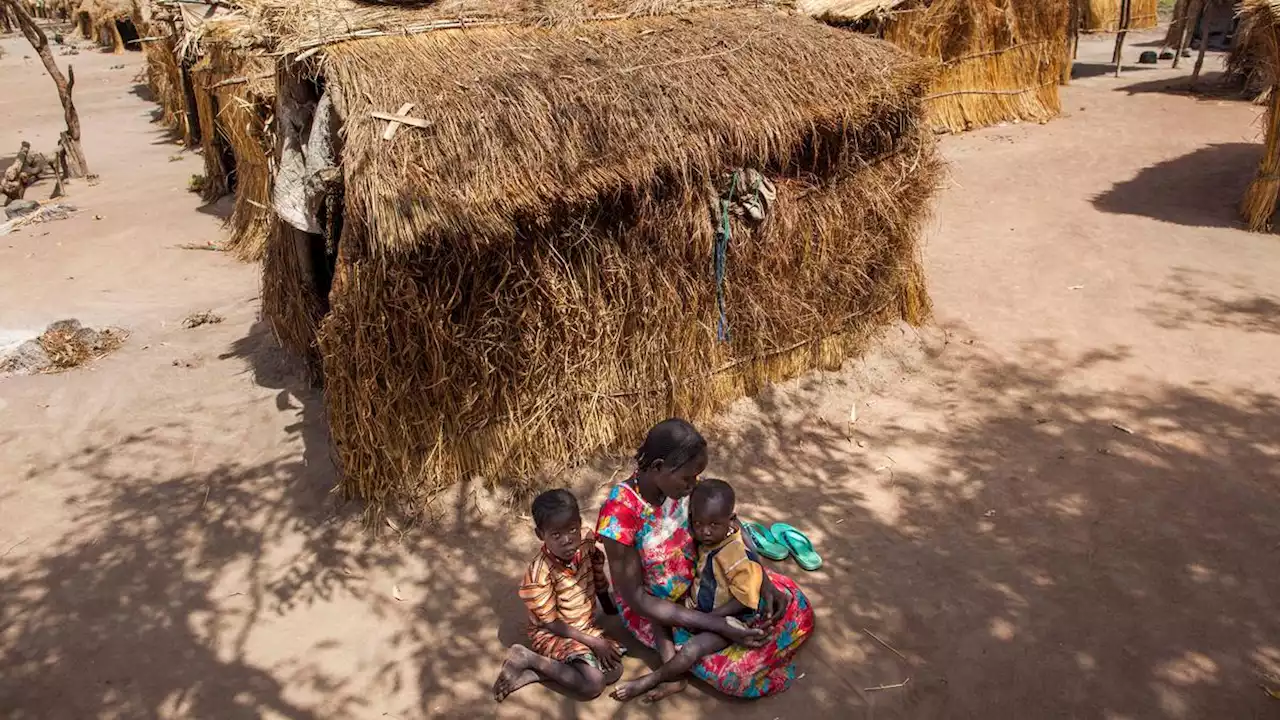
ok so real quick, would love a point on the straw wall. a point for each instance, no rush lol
(1104, 15)
(1001, 60)
(1259, 204)
(504, 324)
(165, 78)
(234, 98)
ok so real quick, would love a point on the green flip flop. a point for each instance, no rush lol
(764, 541)
(799, 545)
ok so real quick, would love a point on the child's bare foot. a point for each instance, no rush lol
(635, 688)
(515, 673)
(665, 690)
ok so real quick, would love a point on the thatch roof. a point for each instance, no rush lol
(290, 26)
(530, 125)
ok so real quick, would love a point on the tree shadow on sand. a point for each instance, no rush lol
(1031, 544)
(1188, 302)
(1027, 543)
(144, 607)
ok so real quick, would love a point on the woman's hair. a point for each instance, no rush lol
(674, 442)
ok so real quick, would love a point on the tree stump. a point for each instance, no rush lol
(12, 185)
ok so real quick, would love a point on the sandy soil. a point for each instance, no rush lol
(1057, 501)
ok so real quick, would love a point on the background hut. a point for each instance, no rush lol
(1000, 60)
(1105, 15)
(589, 228)
(110, 23)
(1259, 204)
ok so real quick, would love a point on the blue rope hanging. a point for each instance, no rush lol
(721, 258)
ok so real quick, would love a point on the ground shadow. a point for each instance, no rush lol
(1082, 70)
(1186, 303)
(1212, 86)
(144, 607)
(1200, 189)
(1093, 552)
(143, 91)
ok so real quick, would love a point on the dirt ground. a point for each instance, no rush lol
(1059, 500)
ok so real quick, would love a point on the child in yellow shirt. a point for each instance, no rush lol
(726, 583)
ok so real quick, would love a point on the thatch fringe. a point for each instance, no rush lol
(1259, 203)
(1104, 15)
(1250, 62)
(164, 77)
(1001, 60)
(530, 279)
(235, 96)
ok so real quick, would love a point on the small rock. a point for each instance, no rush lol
(19, 208)
(29, 357)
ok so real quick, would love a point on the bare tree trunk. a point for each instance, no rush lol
(73, 160)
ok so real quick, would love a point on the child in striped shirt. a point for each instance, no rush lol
(560, 590)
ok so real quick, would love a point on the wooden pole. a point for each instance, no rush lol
(1195, 10)
(1176, 25)
(1204, 45)
(1126, 7)
(1073, 40)
(74, 161)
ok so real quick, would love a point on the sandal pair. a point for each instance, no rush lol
(782, 541)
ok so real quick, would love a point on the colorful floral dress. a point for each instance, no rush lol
(661, 536)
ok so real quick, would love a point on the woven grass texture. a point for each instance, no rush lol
(531, 279)
(999, 60)
(1258, 207)
(1104, 15)
(235, 96)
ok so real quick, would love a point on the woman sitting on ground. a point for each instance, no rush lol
(644, 526)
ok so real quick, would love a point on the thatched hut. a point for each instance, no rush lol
(234, 89)
(575, 231)
(165, 77)
(110, 23)
(1106, 15)
(1259, 204)
(1000, 60)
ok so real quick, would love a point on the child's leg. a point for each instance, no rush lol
(524, 666)
(675, 666)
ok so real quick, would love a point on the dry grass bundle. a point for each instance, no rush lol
(1259, 204)
(235, 96)
(530, 279)
(1000, 60)
(1104, 15)
(70, 345)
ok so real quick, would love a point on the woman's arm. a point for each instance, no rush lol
(628, 579)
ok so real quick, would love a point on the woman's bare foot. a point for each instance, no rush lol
(634, 689)
(515, 673)
(666, 690)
